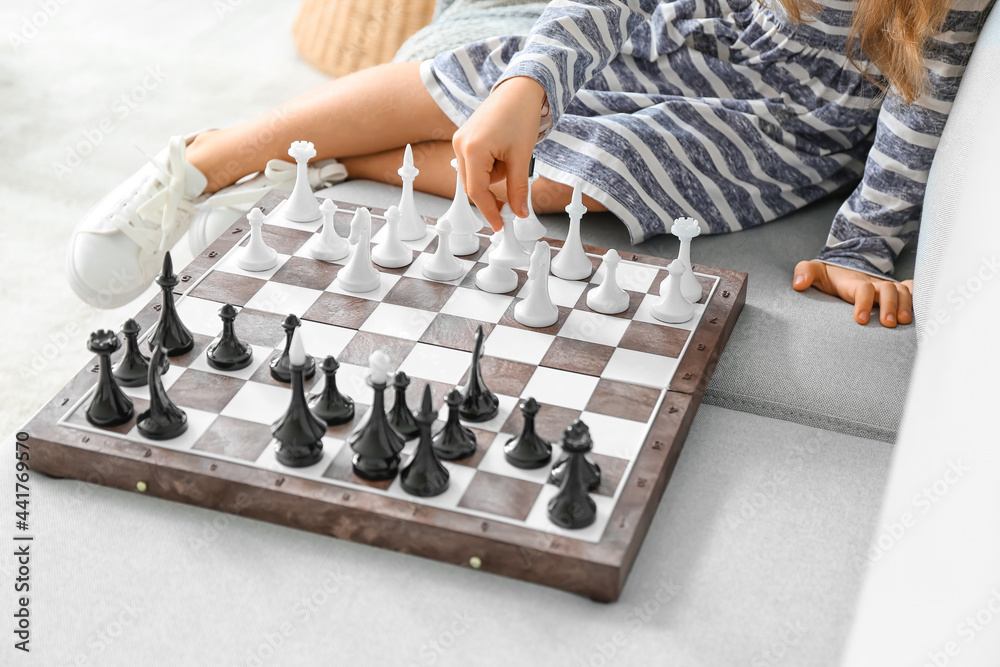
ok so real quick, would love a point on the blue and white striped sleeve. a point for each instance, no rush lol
(883, 213)
(573, 41)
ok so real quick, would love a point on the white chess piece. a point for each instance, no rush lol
(572, 263)
(686, 229)
(358, 275)
(529, 230)
(391, 253)
(507, 252)
(328, 245)
(301, 205)
(256, 256)
(608, 297)
(495, 278)
(536, 309)
(442, 265)
(411, 226)
(464, 223)
(672, 307)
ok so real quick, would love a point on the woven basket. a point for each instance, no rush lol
(343, 36)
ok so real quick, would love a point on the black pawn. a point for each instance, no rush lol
(163, 420)
(592, 471)
(479, 404)
(424, 475)
(109, 406)
(170, 332)
(573, 507)
(132, 369)
(330, 405)
(298, 432)
(280, 365)
(528, 450)
(454, 441)
(229, 353)
(376, 444)
(400, 416)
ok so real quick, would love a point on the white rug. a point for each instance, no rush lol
(82, 84)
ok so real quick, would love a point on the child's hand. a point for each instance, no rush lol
(895, 299)
(496, 144)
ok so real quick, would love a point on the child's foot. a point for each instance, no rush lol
(117, 249)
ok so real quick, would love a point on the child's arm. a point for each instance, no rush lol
(570, 43)
(883, 212)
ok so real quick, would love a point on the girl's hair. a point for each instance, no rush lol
(891, 35)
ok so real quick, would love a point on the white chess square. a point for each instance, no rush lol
(229, 265)
(200, 315)
(259, 403)
(562, 388)
(613, 436)
(459, 478)
(538, 517)
(507, 405)
(562, 292)
(269, 461)
(260, 355)
(642, 368)
(631, 276)
(475, 304)
(594, 328)
(389, 281)
(305, 251)
(321, 340)
(518, 344)
(389, 319)
(644, 314)
(198, 422)
(277, 218)
(168, 379)
(495, 462)
(282, 299)
(415, 270)
(353, 381)
(440, 364)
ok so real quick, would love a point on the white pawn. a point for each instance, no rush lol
(442, 265)
(529, 230)
(672, 307)
(608, 297)
(391, 253)
(328, 245)
(302, 205)
(358, 275)
(536, 309)
(256, 256)
(686, 229)
(507, 252)
(572, 262)
(495, 278)
(411, 225)
(464, 223)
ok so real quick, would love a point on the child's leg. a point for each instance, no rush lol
(364, 113)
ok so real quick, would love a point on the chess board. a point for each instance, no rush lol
(635, 381)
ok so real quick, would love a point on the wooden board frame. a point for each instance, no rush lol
(595, 570)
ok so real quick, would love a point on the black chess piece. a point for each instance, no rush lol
(400, 416)
(229, 353)
(330, 405)
(163, 420)
(279, 365)
(424, 475)
(109, 406)
(170, 332)
(573, 507)
(299, 432)
(132, 369)
(454, 441)
(592, 471)
(376, 444)
(479, 404)
(528, 450)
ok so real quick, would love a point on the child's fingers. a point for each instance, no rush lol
(477, 179)
(905, 304)
(888, 303)
(517, 184)
(864, 299)
(806, 273)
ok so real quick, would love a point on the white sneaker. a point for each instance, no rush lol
(226, 206)
(117, 249)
